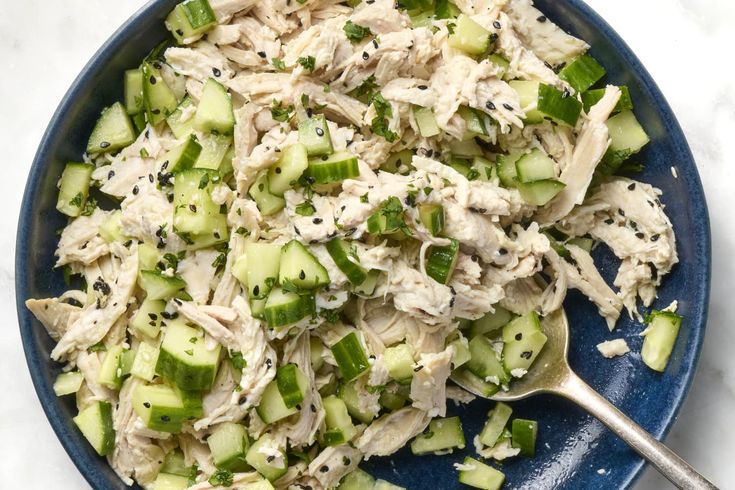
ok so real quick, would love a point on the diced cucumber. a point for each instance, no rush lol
(497, 419)
(333, 168)
(461, 354)
(357, 480)
(214, 112)
(367, 288)
(464, 377)
(268, 203)
(133, 83)
(481, 475)
(507, 169)
(148, 319)
(585, 244)
(148, 257)
(399, 362)
(535, 166)
(485, 362)
(524, 436)
(229, 444)
(500, 62)
(520, 354)
(559, 106)
(440, 261)
(272, 408)
(300, 268)
(441, 435)
(469, 36)
(528, 94)
(346, 259)
(110, 372)
(474, 124)
(339, 427)
(197, 218)
(144, 364)
(185, 359)
(226, 170)
(314, 135)
(388, 219)
(592, 97)
(110, 230)
(160, 407)
(432, 217)
(183, 156)
(285, 173)
(190, 19)
(240, 269)
(214, 148)
(444, 9)
(582, 73)
(139, 122)
(68, 383)
(465, 149)
(660, 336)
(166, 481)
(95, 422)
(392, 401)
(490, 322)
(348, 394)
(292, 384)
(461, 165)
(126, 362)
(521, 327)
(175, 464)
(158, 98)
(484, 168)
(74, 188)
(398, 163)
(181, 128)
(264, 261)
(540, 192)
(160, 286)
(316, 353)
(284, 308)
(270, 468)
(113, 131)
(350, 357)
(426, 121)
(627, 137)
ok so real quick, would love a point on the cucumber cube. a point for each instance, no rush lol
(520, 354)
(399, 362)
(229, 445)
(113, 131)
(214, 113)
(440, 261)
(185, 359)
(357, 480)
(300, 268)
(159, 286)
(535, 166)
(68, 383)
(485, 362)
(464, 377)
(659, 339)
(524, 436)
(469, 36)
(190, 19)
(339, 427)
(441, 435)
(540, 192)
(133, 82)
(582, 73)
(270, 468)
(426, 121)
(559, 106)
(95, 422)
(110, 373)
(285, 173)
(149, 316)
(159, 100)
(74, 188)
(268, 203)
(333, 168)
(292, 385)
(498, 418)
(272, 408)
(144, 364)
(160, 407)
(350, 357)
(346, 259)
(166, 481)
(490, 322)
(480, 475)
(314, 135)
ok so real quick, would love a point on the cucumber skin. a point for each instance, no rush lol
(104, 413)
(355, 273)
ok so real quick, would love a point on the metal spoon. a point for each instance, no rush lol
(551, 373)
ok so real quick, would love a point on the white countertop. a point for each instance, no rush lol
(44, 44)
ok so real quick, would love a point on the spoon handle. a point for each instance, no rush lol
(678, 471)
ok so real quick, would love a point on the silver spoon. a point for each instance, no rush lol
(551, 373)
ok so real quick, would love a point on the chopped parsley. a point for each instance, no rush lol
(306, 208)
(77, 200)
(237, 361)
(281, 113)
(364, 198)
(330, 316)
(355, 32)
(219, 262)
(428, 190)
(379, 124)
(89, 207)
(241, 230)
(221, 478)
(204, 181)
(365, 91)
(473, 174)
(278, 64)
(308, 62)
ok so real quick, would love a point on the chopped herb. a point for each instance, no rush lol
(411, 198)
(89, 207)
(77, 200)
(66, 271)
(278, 64)
(237, 361)
(219, 262)
(364, 198)
(172, 259)
(281, 113)
(365, 91)
(204, 181)
(428, 190)
(330, 316)
(306, 208)
(450, 27)
(304, 101)
(327, 88)
(355, 32)
(221, 478)
(99, 346)
(473, 174)
(241, 230)
(308, 62)
(189, 352)
(193, 340)
(379, 124)
(144, 153)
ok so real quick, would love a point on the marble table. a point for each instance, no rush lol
(44, 44)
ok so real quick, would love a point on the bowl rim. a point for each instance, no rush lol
(59, 421)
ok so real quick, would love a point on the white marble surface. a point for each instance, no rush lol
(44, 44)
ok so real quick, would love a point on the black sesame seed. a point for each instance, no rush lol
(180, 32)
(256, 290)
(270, 458)
(621, 212)
(150, 178)
(365, 55)
(269, 362)
(526, 354)
(216, 72)
(261, 54)
(135, 190)
(146, 405)
(313, 408)
(475, 258)
(508, 106)
(165, 418)
(541, 18)
(319, 132)
(422, 87)
(346, 461)
(152, 316)
(502, 251)
(375, 43)
(496, 24)
(152, 79)
(655, 237)
(278, 170)
(155, 111)
(110, 174)
(489, 104)
(192, 208)
(640, 235)
(631, 187)
(317, 221)
(302, 275)
(633, 225)
(104, 144)
(519, 336)
(609, 221)
(418, 368)
(324, 468)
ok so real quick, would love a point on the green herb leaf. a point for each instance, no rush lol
(237, 361)
(356, 33)
(219, 262)
(330, 316)
(281, 113)
(77, 200)
(379, 125)
(364, 198)
(308, 62)
(204, 181)
(89, 207)
(221, 478)
(306, 208)
(278, 64)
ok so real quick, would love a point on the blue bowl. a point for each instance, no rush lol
(572, 446)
